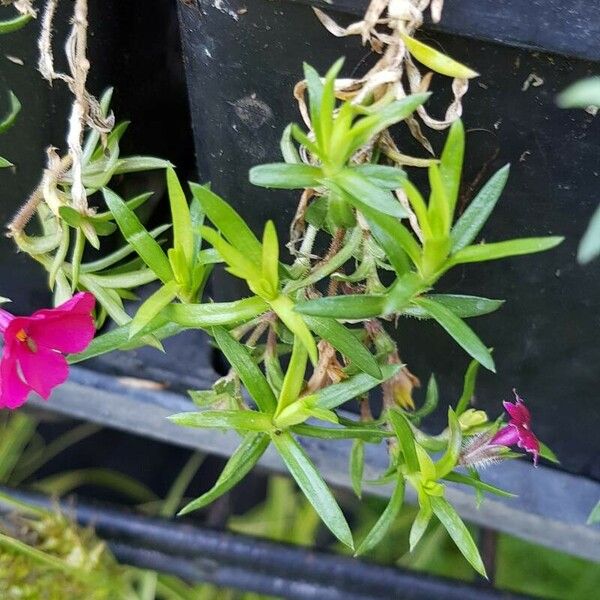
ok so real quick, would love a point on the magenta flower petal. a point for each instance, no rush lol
(82, 303)
(43, 370)
(13, 391)
(518, 431)
(529, 442)
(517, 411)
(507, 436)
(66, 332)
(5, 319)
(33, 348)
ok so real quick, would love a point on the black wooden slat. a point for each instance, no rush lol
(564, 27)
(551, 507)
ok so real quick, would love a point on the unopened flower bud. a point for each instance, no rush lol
(472, 418)
(398, 389)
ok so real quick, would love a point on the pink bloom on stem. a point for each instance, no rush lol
(518, 431)
(34, 346)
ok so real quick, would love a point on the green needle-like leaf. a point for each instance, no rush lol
(246, 420)
(406, 438)
(436, 60)
(252, 377)
(361, 191)
(458, 532)
(473, 219)
(345, 342)
(136, 234)
(312, 485)
(461, 305)
(294, 377)
(452, 162)
(285, 176)
(337, 394)
(14, 24)
(498, 250)
(9, 120)
(153, 305)
(352, 306)
(478, 484)
(211, 314)
(459, 330)
(270, 257)
(449, 459)
(357, 466)
(233, 228)
(468, 388)
(385, 521)
(241, 462)
(183, 237)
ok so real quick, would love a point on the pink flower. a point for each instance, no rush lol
(33, 347)
(518, 431)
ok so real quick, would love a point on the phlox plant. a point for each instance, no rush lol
(311, 334)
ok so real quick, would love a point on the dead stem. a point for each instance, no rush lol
(28, 210)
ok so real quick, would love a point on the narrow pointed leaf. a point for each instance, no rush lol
(393, 113)
(183, 238)
(246, 420)
(211, 314)
(270, 256)
(9, 120)
(337, 394)
(394, 239)
(241, 265)
(461, 305)
(406, 438)
(357, 466)
(288, 150)
(347, 432)
(228, 222)
(312, 485)
(449, 459)
(10, 25)
(498, 250)
(315, 100)
(459, 330)
(385, 521)
(387, 178)
(285, 309)
(361, 191)
(345, 342)
(294, 377)
(473, 219)
(458, 532)
(431, 400)
(452, 161)
(468, 388)
(285, 176)
(352, 306)
(137, 235)
(477, 484)
(241, 462)
(252, 377)
(420, 525)
(437, 61)
(153, 305)
(594, 515)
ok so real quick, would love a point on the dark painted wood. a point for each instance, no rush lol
(569, 28)
(550, 509)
